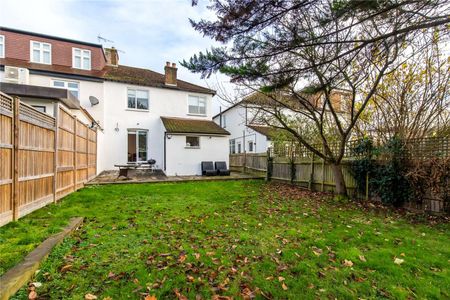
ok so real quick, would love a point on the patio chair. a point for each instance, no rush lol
(208, 168)
(222, 169)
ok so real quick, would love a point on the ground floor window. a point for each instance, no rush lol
(232, 146)
(192, 142)
(250, 146)
(137, 145)
(239, 147)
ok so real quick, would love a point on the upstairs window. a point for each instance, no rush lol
(2, 46)
(138, 99)
(81, 59)
(41, 53)
(197, 105)
(71, 86)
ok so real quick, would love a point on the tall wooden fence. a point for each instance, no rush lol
(310, 172)
(43, 158)
(300, 166)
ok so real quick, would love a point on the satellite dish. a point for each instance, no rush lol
(93, 100)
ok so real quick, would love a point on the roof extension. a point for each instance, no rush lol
(180, 125)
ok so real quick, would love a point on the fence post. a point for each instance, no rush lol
(55, 156)
(74, 153)
(311, 175)
(293, 168)
(16, 140)
(323, 175)
(367, 186)
(269, 166)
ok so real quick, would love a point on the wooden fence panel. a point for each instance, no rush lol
(35, 159)
(65, 153)
(6, 159)
(43, 158)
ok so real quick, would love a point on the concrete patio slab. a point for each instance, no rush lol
(145, 176)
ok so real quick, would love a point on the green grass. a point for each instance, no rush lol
(228, 238)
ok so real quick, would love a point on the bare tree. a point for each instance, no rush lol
(413, 101)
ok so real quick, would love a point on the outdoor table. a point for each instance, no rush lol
(123, 169)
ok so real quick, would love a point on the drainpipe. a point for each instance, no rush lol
(165, 137)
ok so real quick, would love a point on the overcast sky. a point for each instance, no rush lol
(149, 32)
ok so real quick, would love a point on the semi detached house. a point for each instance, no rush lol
(140, 114)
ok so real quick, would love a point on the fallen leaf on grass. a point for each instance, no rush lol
(348, 263)
(197, 256)
(66, 268)
(317, 251)
(32, 295)
(398, 261)
(284, 286)
(150, 297)
(182, 258)
(90, 297)
(362, 258)
(179, 295)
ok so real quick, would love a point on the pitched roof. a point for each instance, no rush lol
(145, 77)
(269, 132)
(180, 125)
(123, 74)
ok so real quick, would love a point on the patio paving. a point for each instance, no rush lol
(147, 176)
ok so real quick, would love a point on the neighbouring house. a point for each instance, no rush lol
(248, 134)
(140, 114)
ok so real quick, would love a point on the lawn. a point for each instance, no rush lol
(238, 238)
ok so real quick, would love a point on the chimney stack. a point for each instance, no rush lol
(112, 56)
(171, 74)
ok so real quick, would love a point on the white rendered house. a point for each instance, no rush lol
(248, 134)
(134, 109)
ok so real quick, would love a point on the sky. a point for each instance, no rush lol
(147, 32)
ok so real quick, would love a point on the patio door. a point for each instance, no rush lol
(137, 145)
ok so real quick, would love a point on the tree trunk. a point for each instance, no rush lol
(339, 179)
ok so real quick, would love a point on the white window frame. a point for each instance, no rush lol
(135, 99)
(2, 46)
(82, 56)
(41, 54)
(66, 86)
(192, 147)
(136, 132)
(197, 114)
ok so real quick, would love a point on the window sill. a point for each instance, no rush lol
(90, 69)
(192, 147)
(197, 115)
(136, 109)
(41, 63)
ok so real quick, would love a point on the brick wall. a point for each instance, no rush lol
(17, 46)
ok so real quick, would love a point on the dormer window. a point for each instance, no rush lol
(40, 53)
(81, 59)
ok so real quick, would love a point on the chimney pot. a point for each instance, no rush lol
(170, 74)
